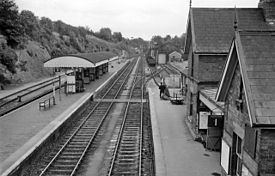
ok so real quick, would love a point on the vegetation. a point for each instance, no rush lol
(10, 22)
(58, 38)
(168, 44)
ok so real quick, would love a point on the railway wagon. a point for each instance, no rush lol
(151, 61)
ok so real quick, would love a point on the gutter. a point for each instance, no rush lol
(272, 126)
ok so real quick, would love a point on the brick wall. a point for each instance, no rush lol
(267, 152)
(210, 67)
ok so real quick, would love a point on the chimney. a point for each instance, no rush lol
(268, 7)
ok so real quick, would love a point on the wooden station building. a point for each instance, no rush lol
(81, 68)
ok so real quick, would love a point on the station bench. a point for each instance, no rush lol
(47, 103)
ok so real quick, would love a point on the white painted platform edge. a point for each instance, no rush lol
(44, 134)
(113, 74)
(48, 130)
(158, 150)
(102, 85)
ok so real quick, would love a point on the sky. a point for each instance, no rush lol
(133, 18)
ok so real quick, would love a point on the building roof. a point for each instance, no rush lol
(175, 53)
(256, 58)
(80, 60)
(212, 29)
(207, 96)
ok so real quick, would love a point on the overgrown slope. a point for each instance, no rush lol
(26, 41)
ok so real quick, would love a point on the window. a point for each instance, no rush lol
(250, 140)
(192, 66)
(191, 109)
(239, 156)
(191, 105)
(236, 158)
(239, 101)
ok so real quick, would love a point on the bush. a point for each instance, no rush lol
(3, 80)
(8, 58)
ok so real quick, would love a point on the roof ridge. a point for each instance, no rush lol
(257, 32)
(224, 8)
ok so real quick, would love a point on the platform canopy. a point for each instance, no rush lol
(83, 60)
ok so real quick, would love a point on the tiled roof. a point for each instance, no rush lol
(210, 93)
(259, 66)
(214, 27)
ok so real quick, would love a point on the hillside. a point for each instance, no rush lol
(29, 60)
(26, 41)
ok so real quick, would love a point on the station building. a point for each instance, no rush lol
(162, 58)
(231, 78)
(247, 88)
(81, 68)
(175, 56)
(210, 32)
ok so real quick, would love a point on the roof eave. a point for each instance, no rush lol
(193, 31)
(248, 92)
(186, 46)
(210, 52)
(222, 84)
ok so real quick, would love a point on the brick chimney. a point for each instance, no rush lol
(268, 7)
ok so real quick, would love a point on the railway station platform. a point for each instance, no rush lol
(183, 66)
(20, 130)
(176, 152)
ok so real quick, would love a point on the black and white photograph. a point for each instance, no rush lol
(137, 88)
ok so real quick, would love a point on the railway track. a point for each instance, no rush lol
(76, 143)
(127, 156)
(171, 70)
(168, 70)
(116, 115)
(115, 83)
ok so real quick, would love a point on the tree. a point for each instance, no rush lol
(105, 33)
(10, 23)
(46, 23)
(30, 24)
(117, 36)
(158, 40)
(167, 38)
(61, 27)
(178, 42)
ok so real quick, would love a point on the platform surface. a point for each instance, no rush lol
(176, 152)
(182, 66)
(22, 125)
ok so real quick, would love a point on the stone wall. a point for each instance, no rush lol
(233, 115)
(235, 120)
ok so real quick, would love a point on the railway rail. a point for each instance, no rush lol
(123, 104)
(169, 70)
(128, 155)
(67, 160)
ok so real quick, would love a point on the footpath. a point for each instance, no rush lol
(176, 152)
